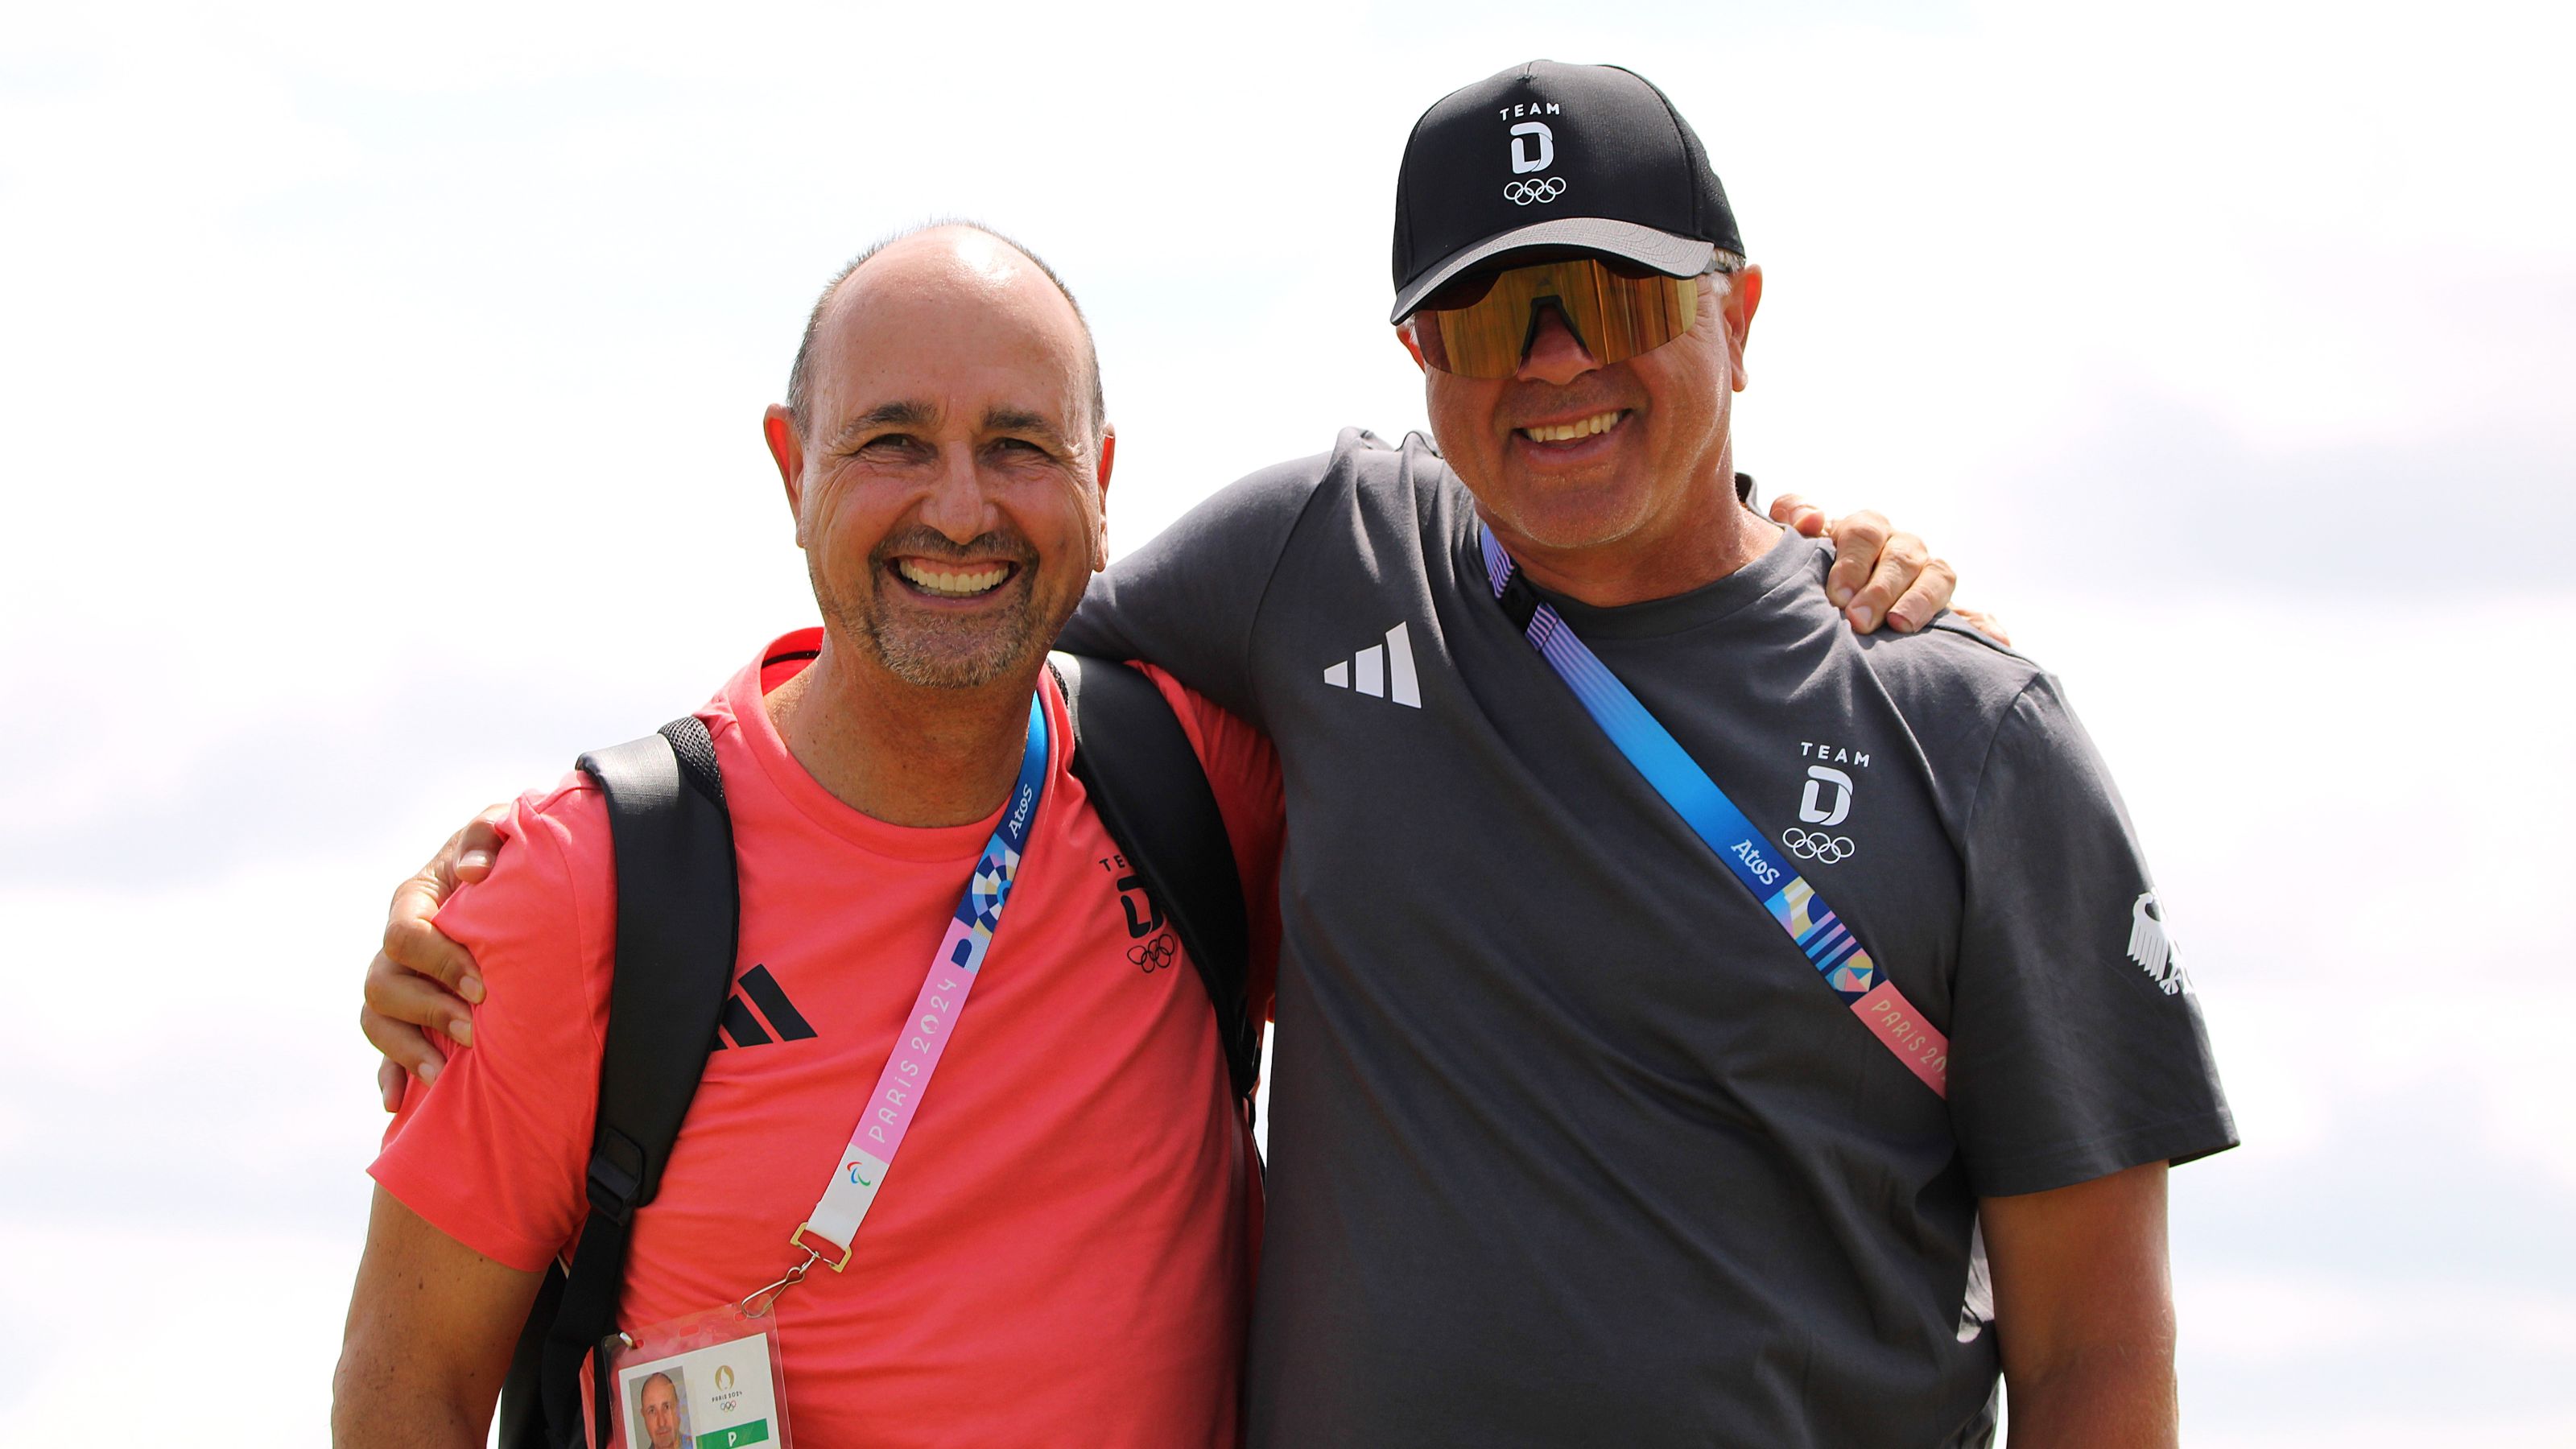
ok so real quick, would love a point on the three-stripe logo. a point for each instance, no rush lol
(1381, 671)
(745, 1027)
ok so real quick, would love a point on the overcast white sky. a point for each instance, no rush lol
(378, 427)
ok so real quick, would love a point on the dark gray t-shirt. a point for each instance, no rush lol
(1568, 1144)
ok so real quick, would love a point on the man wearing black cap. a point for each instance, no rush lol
(1684, 998)
(1593, 1122)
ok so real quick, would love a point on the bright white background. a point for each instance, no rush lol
(378, 426)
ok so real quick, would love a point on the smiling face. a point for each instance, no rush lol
(949, 481)
(1574, 462)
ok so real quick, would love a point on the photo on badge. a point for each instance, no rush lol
(708, 1381)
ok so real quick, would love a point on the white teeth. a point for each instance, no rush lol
(952, 585)
(1568, 432)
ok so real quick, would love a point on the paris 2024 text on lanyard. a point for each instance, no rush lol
(953, 968)
(1826, 938)
(715, 1376)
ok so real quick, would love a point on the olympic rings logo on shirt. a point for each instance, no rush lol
(1155, 954)
(1818, 846)
(1522, 193)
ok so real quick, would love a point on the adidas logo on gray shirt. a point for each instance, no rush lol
(1381, 671)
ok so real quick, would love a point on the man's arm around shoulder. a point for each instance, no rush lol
(1186, 599)
(431, 1327)
(481, 1184)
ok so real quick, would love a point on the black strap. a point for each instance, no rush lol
(1146, 783)
(678, 908)
(523, 1408)
(678, 905)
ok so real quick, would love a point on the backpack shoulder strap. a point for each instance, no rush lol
(678, 908)
(1150, 790)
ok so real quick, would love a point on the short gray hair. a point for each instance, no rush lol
(800, 378)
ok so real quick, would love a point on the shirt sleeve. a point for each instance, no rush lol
(2076, 1045)
(1243, 772)
(1187, 598)
(492, 1153)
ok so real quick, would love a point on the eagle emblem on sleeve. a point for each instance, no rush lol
(2152, 948)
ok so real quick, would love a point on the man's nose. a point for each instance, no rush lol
(1556, 355)
(957, 504)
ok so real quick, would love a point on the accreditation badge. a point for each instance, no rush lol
(711, 1380)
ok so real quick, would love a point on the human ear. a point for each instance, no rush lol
(1404, 334)
(778, 427)
(1100, 523)
(1743, 296)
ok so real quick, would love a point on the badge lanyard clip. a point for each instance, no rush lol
(758, 1303)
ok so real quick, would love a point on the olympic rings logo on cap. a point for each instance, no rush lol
(1522, 193)
(1819, 846)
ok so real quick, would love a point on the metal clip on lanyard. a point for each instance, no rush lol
(1825, 938)
(853, 1185)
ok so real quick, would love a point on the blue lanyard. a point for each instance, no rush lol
(1825, 938)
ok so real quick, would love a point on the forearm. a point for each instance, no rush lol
(2117, 1396)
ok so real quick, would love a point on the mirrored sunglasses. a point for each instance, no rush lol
(1483, 326)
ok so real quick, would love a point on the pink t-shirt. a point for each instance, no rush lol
(1063, 1250)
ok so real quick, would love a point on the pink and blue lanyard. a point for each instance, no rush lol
(1825, 938)
(924, 1036)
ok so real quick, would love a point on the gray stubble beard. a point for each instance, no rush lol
(929, 653)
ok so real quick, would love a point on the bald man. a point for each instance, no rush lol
(1073, 1222)
(660, 1399)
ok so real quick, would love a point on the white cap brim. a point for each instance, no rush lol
(1674, 256)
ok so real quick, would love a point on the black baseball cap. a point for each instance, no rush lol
(1590, 157)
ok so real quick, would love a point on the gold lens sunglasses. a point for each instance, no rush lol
(1483, 326)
